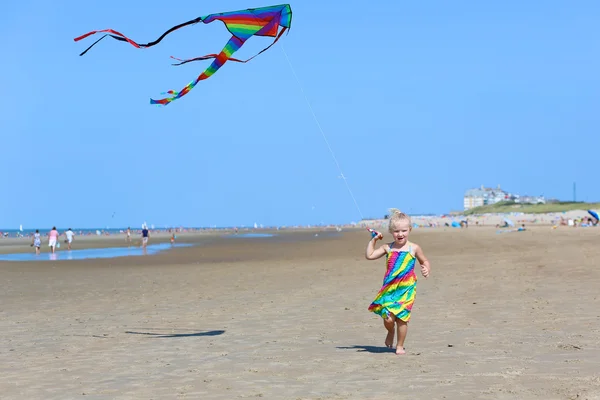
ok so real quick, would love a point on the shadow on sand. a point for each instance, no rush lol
(368, 349)
(375, 349)
(177, 335)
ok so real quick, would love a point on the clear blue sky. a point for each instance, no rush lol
(419, 101)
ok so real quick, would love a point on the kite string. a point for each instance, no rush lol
(322, 132)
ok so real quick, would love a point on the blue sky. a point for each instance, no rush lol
(418, 100)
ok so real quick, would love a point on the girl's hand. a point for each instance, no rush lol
(425, 271)
(376, 235)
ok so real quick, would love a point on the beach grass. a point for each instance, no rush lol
(510, 206)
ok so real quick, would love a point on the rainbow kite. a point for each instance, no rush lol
(242, 24)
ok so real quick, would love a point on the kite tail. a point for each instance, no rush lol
(109, 32)
(206, 57)
(119, 36)
(209, 56)
(231, 47)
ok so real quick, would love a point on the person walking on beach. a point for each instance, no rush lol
(145, 236)
(69, 234)
(395, 299)
(53, 239)
(37, 241)
(129, 235)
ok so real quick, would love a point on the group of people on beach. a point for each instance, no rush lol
(53, 239)
(583, 222)
(54, 236)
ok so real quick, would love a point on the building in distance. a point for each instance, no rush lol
(483, 196)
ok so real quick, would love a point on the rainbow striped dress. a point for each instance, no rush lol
(399, 289)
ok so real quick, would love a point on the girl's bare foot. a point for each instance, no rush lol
(400, 350)
(389, 340)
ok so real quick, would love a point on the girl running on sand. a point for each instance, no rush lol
(396, 297)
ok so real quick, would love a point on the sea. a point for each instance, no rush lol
(15, 233)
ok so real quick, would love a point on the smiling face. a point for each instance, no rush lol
(400, 230)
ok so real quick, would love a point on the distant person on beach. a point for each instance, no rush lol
(128, 235)
(37, 241)
(69, 234)
(395, 299)
(145, 236)
(53, 239)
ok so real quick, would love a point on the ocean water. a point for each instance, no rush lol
(83, 254)
(12, 233)
(89, 231)
(250, 235)
(86, 254)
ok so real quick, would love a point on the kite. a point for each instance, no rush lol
(242, 24)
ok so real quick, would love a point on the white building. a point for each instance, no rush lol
(473, 198)
(484, 196)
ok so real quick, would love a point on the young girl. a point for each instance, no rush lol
(396, 297)
(37, 241)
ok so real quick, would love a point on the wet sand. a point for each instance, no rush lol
(503, 316)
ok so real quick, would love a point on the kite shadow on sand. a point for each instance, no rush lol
(368, 349)
(177, 335)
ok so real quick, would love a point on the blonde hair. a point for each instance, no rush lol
(397, 216)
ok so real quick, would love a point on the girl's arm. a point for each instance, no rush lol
(425, 265)
(371, 253)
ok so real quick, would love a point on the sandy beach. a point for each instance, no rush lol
(503, 316)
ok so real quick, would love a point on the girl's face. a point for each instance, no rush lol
(400, 231)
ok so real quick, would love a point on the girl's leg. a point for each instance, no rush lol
(389, 325)
(402, 329)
